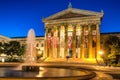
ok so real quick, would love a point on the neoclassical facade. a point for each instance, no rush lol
(74, 33)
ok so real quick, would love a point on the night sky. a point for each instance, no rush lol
(18, 16)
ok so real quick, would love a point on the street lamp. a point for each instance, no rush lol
(3, 57)
(101, 52)
(101, 56)
(3, 60)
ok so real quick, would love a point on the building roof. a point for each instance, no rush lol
(5, 38)
(72, 13)
(25, 37)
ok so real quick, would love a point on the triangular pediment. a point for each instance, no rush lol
(73, 13)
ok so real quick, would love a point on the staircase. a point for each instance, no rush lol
(71, 60)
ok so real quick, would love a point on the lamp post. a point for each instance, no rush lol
(101, 53)
(101, 56)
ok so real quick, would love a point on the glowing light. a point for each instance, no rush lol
(100, 52)
(3, 60)
(39, 52)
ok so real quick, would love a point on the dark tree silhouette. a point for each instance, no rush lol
(111, 49)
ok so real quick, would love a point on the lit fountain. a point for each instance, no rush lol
(30, 68)
(30, 55)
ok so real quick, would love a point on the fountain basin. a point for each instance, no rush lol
(46, 73)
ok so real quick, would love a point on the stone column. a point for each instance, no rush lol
(62, 41)
(48, 51)
(66, 41)
(82, 42)
(90, 41)
(45, 42)
(70, 40)
(51, 44)
(58, 42)
(98, 40)
(74, 42)
(78, 41)
(54, 52)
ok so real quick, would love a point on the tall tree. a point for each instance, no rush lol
(112, 47)
(14, 48)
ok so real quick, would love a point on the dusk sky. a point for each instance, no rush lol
(18, 16)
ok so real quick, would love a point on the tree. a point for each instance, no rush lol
(14, 48)
(1, 48)
(111, 48)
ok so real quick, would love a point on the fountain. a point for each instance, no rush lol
(30, 54)
(32, 70)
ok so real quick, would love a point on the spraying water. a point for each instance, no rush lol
(30, 54)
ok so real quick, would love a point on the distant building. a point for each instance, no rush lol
(4, 39)
(39, 42)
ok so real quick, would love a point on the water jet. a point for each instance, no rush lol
(30, 63)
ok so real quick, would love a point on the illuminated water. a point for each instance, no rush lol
(30, 54)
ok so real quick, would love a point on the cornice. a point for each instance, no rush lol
(74, 10)
(74, 20)
(5, 38)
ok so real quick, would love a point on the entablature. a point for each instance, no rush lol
(72, 23)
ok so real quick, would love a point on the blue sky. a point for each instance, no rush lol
(18, 16)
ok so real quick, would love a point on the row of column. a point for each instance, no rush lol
(56, 51)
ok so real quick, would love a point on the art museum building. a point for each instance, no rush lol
(71, 32)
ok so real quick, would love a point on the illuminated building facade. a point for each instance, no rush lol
(74, 33)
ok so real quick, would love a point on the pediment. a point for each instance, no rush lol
(73, 13)
(70, 15)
